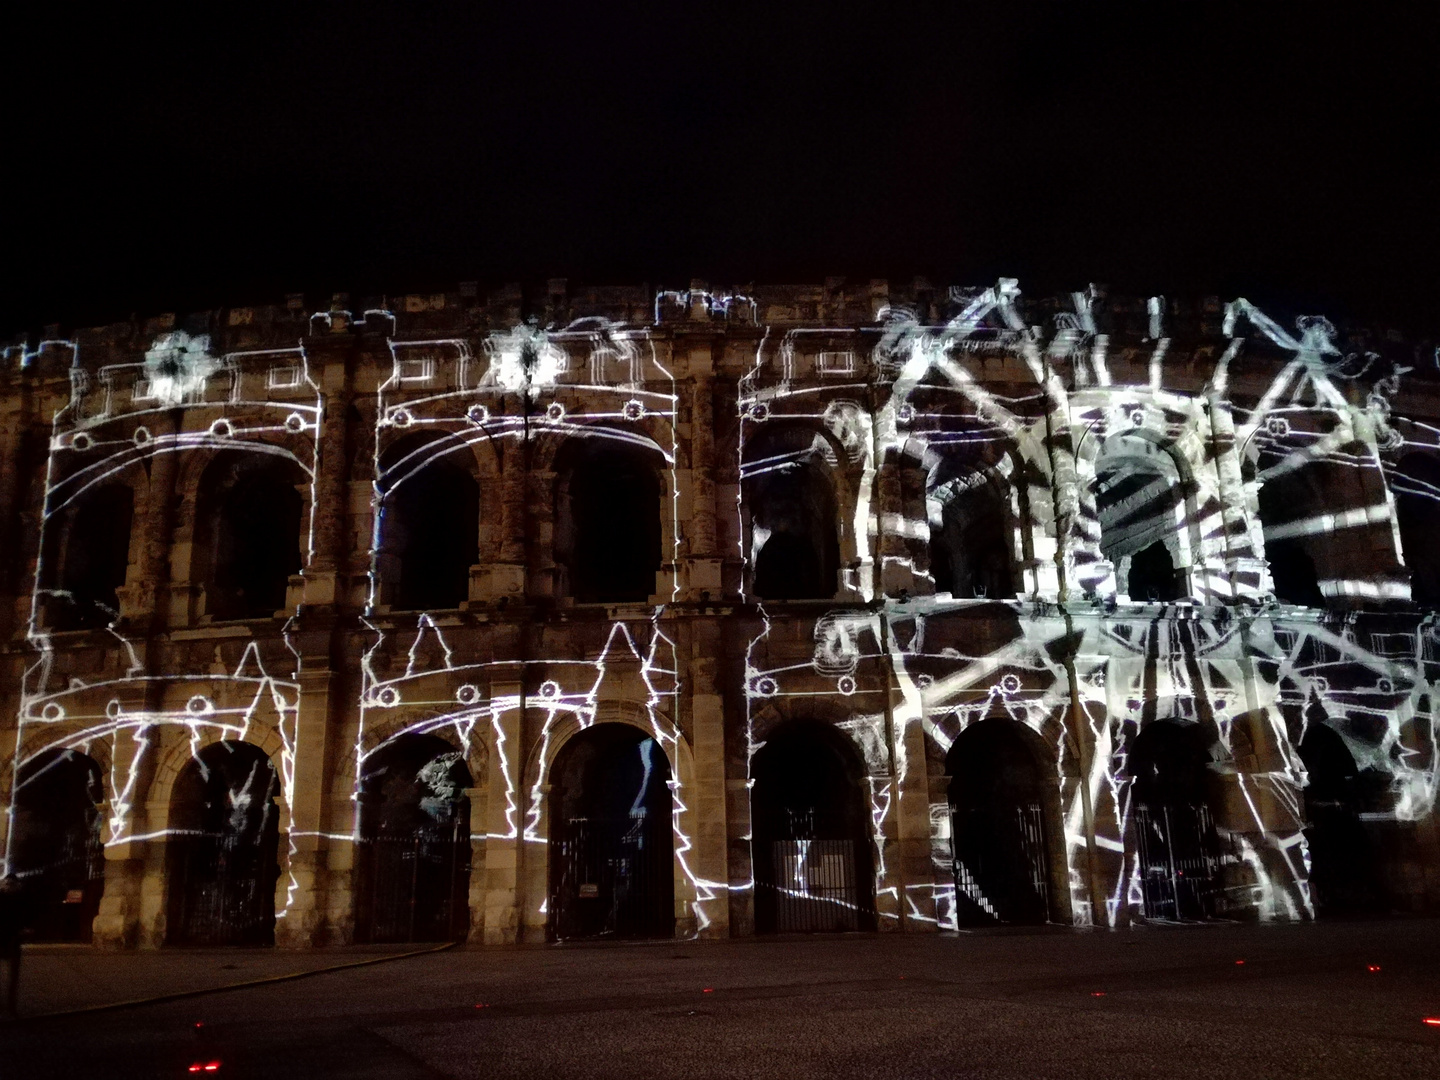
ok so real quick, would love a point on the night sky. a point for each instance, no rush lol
(208, 160)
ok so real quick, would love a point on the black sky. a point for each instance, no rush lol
(232, 155)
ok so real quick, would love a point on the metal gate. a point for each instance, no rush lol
(1179, 860)
(70, 885)
(419, 885)
(613, 877)
(224, 888)
(811, 886)
(1001, 868)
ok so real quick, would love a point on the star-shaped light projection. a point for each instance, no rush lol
(525, 358)
(177, 365)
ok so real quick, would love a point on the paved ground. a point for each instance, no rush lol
(1165, 1003)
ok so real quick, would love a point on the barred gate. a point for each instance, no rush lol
(70, 886)
(1179, 855)
(812, 887)
(1001, 865)
(613, 877)
(419, 885)
(223, 888)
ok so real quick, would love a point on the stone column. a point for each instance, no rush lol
(301, 893)
(506, 576)
(708, 855)
(504, 814)
(703, 572)
(322, 585)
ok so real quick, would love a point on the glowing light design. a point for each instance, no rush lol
(1088, 448)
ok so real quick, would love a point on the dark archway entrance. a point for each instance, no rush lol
(1342, 862)
(414, 842)
(56, 847)
(222, 855)
(429, 534)
(1176, 842)
(970, 551)
(997, 813)
(1416, 483)
(248, 533)
(609, 536)
(612, 848)
(87, 554)
(813, 869)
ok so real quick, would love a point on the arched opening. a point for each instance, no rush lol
(1176, 844)
(609, 510)
(1342, 863)
(56, 846)
(248, 540)
(970, 551)
(811, 844)
(794, 543)
(997, 813)
(222, 850)
(612, 845)
(1416, 484)
(1291, 509)
(1152, 575)
(414, 842)
(86, 555)
(430, 528)
(1140, 502)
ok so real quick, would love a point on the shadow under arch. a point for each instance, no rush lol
(1342, 861)
(608, 532)
(429, 531)
(1415, 482)
(1145, 507)
(56, 847)
(810, 834)
(790, 493)
(223, 848)
(85, 557)
(248, 542)
(611, 837)
(1004, 821)
(1177, 846)
(971, 553)
(414, 846)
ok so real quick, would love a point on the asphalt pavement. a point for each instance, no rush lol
(1324, 1000)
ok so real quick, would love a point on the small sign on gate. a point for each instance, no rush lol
(589, 891)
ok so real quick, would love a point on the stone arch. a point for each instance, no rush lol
(249, 517)
(383, 726)
(414, 853)
(1145, 507)
(1342, 862)
(85, 558)
(534, 802)
(614, 532)
(1007, 824)
(428, 542)
(979, 535)
(1415, 488)
(1299, 558)
(811, 842)
(222, 853)
(56, 844)
(1172, 831)
(184, 744)
(794, 503)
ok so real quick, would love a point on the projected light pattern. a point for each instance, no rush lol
(1018, 620)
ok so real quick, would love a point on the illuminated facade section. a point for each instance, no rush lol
(695, 613)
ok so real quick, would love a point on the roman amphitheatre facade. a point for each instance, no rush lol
(608, 612)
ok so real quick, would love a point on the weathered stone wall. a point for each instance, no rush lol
(1100, 432)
